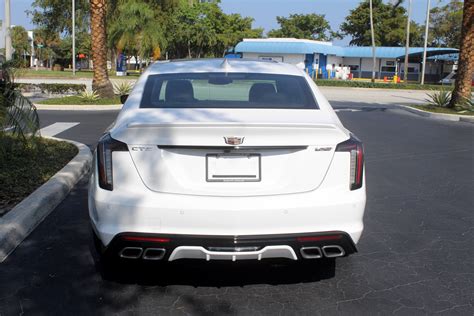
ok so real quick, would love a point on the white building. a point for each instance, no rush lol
(324, 58)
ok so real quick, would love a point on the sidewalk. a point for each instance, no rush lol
(375, 96)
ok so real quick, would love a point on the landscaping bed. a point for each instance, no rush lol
(379, 85)
(51, 88)
(78, 100)
(67, 73)
(26, 165)
(443, 110)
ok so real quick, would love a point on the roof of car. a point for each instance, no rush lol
(223, 65)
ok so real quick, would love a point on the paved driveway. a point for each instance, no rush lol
(415, 256)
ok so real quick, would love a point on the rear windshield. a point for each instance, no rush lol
(227, 90)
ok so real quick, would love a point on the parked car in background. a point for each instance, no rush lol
(451, 78)
(227, 160)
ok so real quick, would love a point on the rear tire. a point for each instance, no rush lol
(107, 265)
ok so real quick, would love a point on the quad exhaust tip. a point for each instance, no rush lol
(154, 253)
(131, 252)
(332, 251)
(146, 254)
(311, 252)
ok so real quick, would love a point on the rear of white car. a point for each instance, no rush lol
(227, 160)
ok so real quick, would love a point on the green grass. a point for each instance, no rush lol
(379, 85)
(26, 165)
(83, 74)
(441, 110)
(77, 100)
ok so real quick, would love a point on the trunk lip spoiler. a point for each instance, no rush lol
(293, 147)
(230, 124)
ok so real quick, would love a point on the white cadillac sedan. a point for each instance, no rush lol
(227, 159)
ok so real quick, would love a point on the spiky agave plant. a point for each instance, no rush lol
(466, 105)
(439, 98)
(123, 88)
(89, 95)
(18, 115)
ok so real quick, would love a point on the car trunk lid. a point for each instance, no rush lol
(280, 153)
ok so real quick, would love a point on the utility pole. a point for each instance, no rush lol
(423, 67)
(407, 47)
(73, 37)
(8, 39)
(373, 41)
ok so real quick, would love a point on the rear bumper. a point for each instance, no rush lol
(235, 248)
(137, 210)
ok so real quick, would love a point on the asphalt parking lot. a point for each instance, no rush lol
(415, 256)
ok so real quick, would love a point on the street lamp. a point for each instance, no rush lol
(407, 47)
(73, 37)
(423, 67)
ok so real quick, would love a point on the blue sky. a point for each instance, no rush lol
(264, 12)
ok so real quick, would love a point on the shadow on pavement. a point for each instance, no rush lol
(215, 274)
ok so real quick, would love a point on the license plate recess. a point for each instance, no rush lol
(233, 167)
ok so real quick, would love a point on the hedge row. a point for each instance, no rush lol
(53, 88)
(367, 84)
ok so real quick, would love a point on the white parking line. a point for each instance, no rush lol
(347, 110)
(56, 128)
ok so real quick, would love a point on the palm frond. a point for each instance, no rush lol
(18, 115)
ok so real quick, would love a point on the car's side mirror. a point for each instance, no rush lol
(123, 98)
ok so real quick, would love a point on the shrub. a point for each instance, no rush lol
(380, 85)
(18, 115)
(52, 88)
(58, 67)
(89, 95)
(62, 88)
(466, 105)
(438, 98)
(123, 88)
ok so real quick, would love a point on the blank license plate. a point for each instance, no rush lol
(233, 168)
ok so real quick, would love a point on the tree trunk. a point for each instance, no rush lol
(462, 87)
(100, 82)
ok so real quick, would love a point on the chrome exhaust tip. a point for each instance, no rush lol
(311, 252)
(131, 252)
(154, 253)
(333, 251)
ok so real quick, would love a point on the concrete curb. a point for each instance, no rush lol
(17, 224)
(440, 116)
(78, 107)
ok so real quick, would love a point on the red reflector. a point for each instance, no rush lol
(146, 239)
(319, 238)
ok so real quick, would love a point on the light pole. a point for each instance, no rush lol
(373, 40)
(73, 37)
(8, 39)
(423, 67)
(407, 47)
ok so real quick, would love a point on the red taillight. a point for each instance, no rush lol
(319, 238)
(356, 150)
(146, 239)
(105, 147)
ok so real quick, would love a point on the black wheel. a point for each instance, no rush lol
(107, 265)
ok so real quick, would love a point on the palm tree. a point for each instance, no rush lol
(134, 29)
(100, 82)
(17, 114)
(462, 87)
